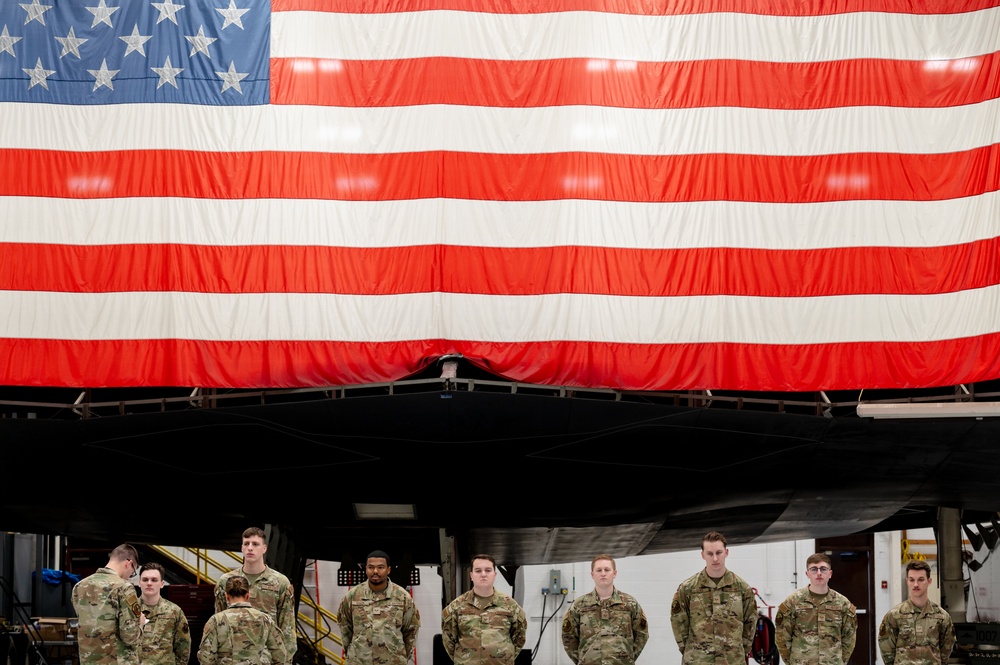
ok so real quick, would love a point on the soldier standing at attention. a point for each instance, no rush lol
(816, 625)
(917, 631)
(378, 619)
(605, 626)
(166, 639)
(270, 591)
(714, 614)
(110, 619)
(241, 634)
(483, 626)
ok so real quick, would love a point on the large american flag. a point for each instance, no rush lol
(642, 194)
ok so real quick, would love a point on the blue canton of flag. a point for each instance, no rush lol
(129, 51)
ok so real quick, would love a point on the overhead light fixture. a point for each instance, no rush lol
(931, 410)
(385, 511)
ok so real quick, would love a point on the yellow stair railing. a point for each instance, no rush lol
(204, 563)
(321, 629)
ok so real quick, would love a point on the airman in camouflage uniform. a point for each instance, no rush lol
(166, 638)
(605, 626)
(917, 631)
(713, 613)
(110, 618)
(241, 634)
(270, 591)
(816, 625)
(483, 626)
(378, 619)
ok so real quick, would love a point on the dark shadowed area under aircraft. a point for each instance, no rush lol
(533, 474)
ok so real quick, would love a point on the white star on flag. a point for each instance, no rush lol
(38, 75)
(35, 11)
(167, 9)
(7, 42)
(233, 15)
(103, 75)
(167, 73)
(70, 43)
(231, 79)
(102, 14)
(136, 42)
(200, 43)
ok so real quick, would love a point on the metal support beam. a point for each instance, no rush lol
(449, 569)
(949, 545)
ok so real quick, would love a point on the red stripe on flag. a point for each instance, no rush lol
(573, 363)
(645, 85)
(638, 7)
(501, 271)
(502, 177)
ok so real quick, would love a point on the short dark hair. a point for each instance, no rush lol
(152, 565)
(819, 557)
(603, 557)
(125, 552)
(378, 554)
(237, 586)
(919, 565)
(484, 557)
(712, 537)
(255, 531)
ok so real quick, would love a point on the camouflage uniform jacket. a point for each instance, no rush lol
(378, 628)
(166, 639)
(816, 630)
(109, 613)
(272, 593)
(714, 623)
(910, 635)
(605, 632)
(491, 635)
(241, 635)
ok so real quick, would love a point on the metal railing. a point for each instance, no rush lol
(204, 567)
(203, 563)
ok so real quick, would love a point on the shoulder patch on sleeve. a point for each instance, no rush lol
(133, 604)
(882, 630)
(675, 606)
(780, 619)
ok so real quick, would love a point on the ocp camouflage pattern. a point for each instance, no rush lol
(605, 632)
(378, 629)
(816, 629)
(241, 635)
(166, 638)
(713, 623)
(910, 635)
(110, 629)
(489, 635)
(272, 593)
